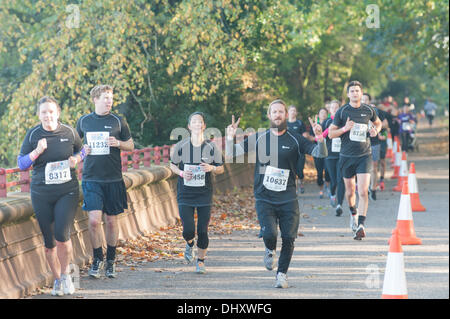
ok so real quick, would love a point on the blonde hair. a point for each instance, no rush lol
(97, 91)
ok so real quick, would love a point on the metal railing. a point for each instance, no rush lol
(134, 159)
(142, 157)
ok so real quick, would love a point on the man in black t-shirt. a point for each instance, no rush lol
(277, 152)
(353, 122)
(105, 135)
(297, 126)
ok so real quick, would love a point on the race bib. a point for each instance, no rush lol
(406, 126)
(98, 142)
(198, 177)
(358, 133)
(276, 179)
(336, 144)
(57, 172)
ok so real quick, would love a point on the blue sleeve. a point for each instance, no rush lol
(24, 162)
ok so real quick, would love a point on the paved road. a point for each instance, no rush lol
(327, 262)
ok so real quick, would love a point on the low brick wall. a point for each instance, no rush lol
(152, 204)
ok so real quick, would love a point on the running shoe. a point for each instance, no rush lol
(382, 185)
(333, 201)
(96, 266)
(200, 268)
(372, 194)
(302, 189)
(57, 288)
(281, 280)
(189, 253)
(339, 210)
(110, 271)
(67, 284)
(270, 259)
(321, 194)
(353, 222)
(360, 233)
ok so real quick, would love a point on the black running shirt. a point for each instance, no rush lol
(276, 184)
(61, 144)
(199, 193)
(381, 115)
(297, 127)
(106, 166)
(356, 142)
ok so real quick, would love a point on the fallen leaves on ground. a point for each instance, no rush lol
(234, 210)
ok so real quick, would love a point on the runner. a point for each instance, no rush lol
(319, 163)
(430, 110)
(383, 136)
(194, 159)
(375, 143)
(406, 120)
(105, 135)
(337, 186)
(277, 152)
(51, 148)
(351, 123)
(298, 127)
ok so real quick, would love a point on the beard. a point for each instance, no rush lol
(281, 127)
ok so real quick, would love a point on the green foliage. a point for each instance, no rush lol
(168, 58)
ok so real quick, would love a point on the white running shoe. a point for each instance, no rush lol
(270, 257)
(281, 280)
(57, 288)
(360, 233)
(354, 222)
(189, 253)
(67, 284)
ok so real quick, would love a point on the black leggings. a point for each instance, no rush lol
(320, 168)
(203, 217)
(55, 214)
(337, 182)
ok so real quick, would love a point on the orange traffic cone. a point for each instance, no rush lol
(394, 284)
(405, 224)
(402, 175)
(416, 206)
(389, 146)
(398, 162)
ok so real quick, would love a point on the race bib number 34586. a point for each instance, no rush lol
(98, 142)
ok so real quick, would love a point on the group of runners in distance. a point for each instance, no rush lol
(348, 144)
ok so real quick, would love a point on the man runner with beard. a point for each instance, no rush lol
(277, 153)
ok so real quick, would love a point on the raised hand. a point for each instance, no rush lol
(317, 129)
(232, 128)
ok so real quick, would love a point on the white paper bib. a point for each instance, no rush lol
(336, 144)
(98, 142)
(57, 172)
(276, 179)
(358, 133)
(198, 178)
